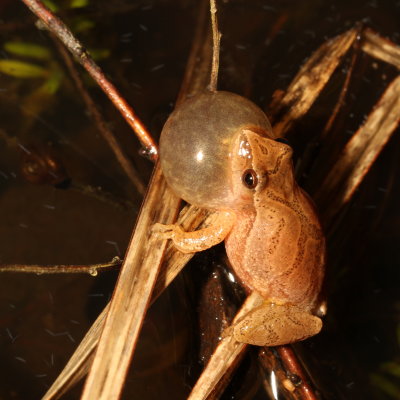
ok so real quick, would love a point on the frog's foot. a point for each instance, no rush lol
(183, 241)
(274, 325)
(166, 231)
(202, 239)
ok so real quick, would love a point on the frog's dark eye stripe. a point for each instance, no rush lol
(282, 140)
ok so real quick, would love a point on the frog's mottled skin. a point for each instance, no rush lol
(272, 234)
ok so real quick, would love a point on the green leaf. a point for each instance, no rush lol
(385, 385)
(99, 54)
(82, 25)
(78, 3)
(21, 69)
(53, 83)
(26, 49)
(391, 367)
(398, 333)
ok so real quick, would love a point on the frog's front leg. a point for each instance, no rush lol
(202, 239)
(273, 325)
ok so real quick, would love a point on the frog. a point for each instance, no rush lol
(218, 151)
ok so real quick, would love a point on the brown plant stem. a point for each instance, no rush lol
(295, 370)
(216, 35)
(92, 269)
(56, 26)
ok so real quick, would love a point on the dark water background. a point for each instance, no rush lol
(43, 318)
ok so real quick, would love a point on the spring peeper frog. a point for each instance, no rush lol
(217, 151)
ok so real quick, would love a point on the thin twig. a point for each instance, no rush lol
(342, 96)
(101, 124)
(296, 373)
(92, 269)
(276, 376)
(198, 65)
(56, 26)
(216, 47)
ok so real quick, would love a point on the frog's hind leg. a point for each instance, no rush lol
(273, 325)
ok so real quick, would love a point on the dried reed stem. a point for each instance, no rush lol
(131, 296)
(381, 48)
(216, 47)
(92, 269)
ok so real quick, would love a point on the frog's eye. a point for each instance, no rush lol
(282, 140)
(249, 178)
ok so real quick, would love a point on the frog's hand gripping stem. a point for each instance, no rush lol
(202, 239)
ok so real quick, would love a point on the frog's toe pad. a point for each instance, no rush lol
(163, 231)
(276, 325)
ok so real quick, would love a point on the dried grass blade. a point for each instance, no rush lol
(196, 77)
(361, 152)
(310, 80)
(224, 356)
(131, 295)
(381, 48)
(191, 218)
(79, 364)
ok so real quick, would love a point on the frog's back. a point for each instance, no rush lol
(278, 249)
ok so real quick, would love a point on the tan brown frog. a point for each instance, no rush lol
(217, 151)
